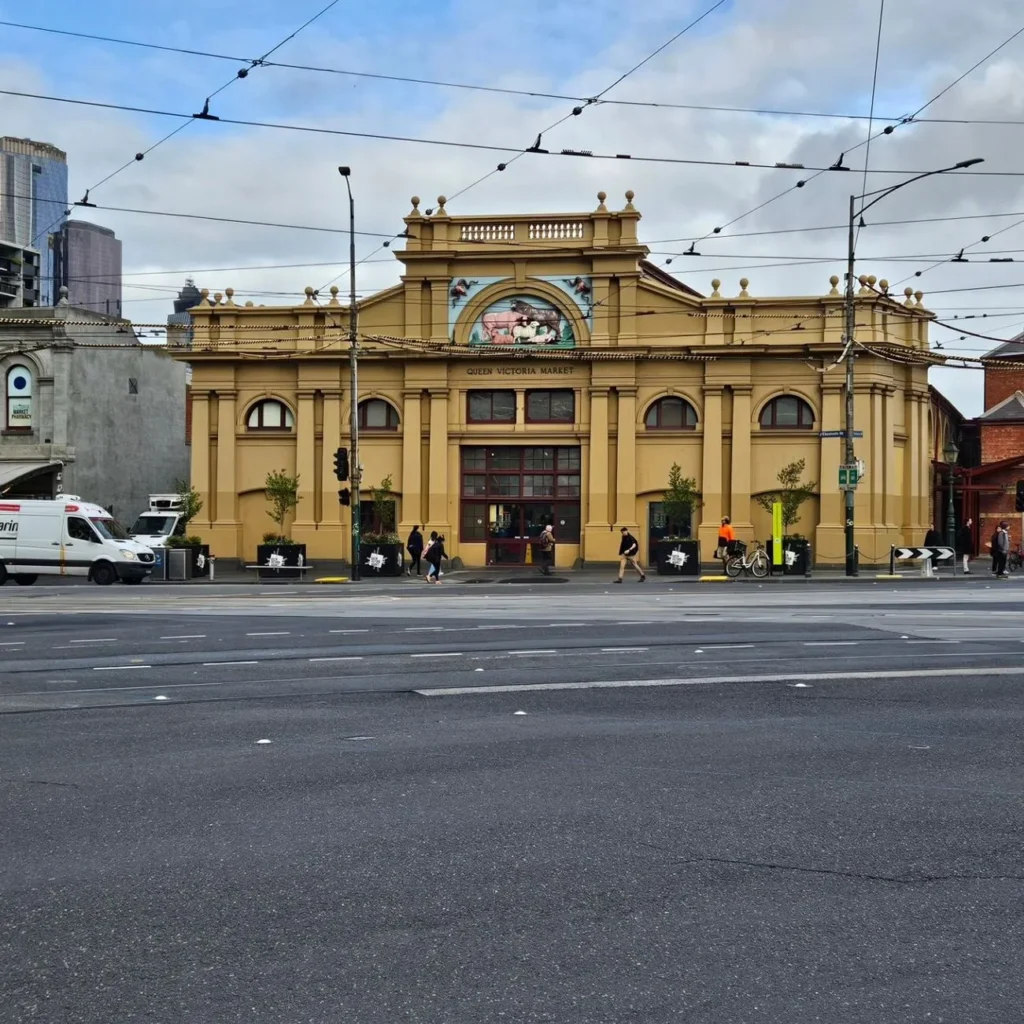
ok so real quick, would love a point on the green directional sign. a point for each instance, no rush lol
(848, 476)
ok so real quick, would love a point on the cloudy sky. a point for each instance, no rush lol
(788, 55)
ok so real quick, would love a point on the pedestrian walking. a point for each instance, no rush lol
(1000, 545)
(434, 554)
(726, 537)
(965, 545)
(546, 543)
(629, 549)
(426, 550)
(414, 545)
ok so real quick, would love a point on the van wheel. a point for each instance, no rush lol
(104, 574)
(24, 579)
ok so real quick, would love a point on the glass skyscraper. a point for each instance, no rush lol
(34, 203)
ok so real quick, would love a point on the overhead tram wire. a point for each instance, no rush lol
(580, 107)
(888, 130)
(871, 109)
(526, 93)
(488, 147)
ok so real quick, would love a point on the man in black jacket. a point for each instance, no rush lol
(629, 548)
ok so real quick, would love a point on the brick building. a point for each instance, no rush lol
(989, 489)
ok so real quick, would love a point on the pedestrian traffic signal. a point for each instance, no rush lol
(341, 464)
(345, 497)
(1020, 495)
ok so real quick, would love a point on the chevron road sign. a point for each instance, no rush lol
(918, 554)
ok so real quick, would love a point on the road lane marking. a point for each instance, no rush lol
(923, 673)
(424, 629)
(286, 633)
(13, 643)
(549, 650)
(209, 664)
(933, 641)
(349, 631)
(560, 625)
(186, 636)
(831, 643)
(116, 668)
(622, 650)
(96, 640)
(725, 647)
(350, 658)
(439, 654)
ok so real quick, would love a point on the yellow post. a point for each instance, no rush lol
(776, 533)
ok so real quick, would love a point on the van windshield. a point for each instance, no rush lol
(154, 526)
(110, 528)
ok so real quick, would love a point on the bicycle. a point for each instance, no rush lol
(1015, 560)
(756, 564)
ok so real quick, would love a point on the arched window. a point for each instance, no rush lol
(19, 398)
(787, 412)
(270, 414)
(376, 414)
(671, 414)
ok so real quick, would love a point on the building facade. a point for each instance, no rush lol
(537, 368)
(20, 270)
(88, 410)
(34, 203)
(89, 265)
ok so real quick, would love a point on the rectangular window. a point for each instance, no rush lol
(474, 485)
(504, 458)
(568, 459)
(541, 485)
(491, 407)
(133, 386)
(505, 485)
(550, 406)
(568, 485)
(474, 458)
(474, 522)
(539, 458)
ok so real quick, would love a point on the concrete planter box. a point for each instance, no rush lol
(677, 557)
(380, 559)
(280, 561)
(796, 558)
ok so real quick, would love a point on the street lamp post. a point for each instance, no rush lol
(850, 324)
(353, 369)
(950, 452)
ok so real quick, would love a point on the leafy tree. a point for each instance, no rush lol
(681, 496)
(383, 505)
(791, 492)
(190, 502)
(283, 494)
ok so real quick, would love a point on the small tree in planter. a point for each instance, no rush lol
(791, 493)
(189, 506)
(385, 558)
(282, 492)
(677, 555)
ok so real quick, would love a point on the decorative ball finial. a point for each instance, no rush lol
(415, 202)
(908, 292)
(871, 280)
(834, 281)
(884, 285)
(334, 289)
(919, 296)
(248, 304)
(716, 283)
(309, 290)
(629, 195)
(863, 279)
(602, 196)
(205, 293)
(217, 296)
(744, 282)
(441, 200)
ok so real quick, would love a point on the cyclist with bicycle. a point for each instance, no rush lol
(726, 537)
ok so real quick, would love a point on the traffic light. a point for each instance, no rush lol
(345, 497)
(1020, 495)
(341, 465)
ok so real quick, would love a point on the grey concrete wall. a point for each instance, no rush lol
(127, 446)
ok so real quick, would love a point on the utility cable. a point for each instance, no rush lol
(871, 110)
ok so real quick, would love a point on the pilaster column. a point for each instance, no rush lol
(200, 469)
(891, 512)
(911, 469)
(225, 530)
(438, 466)
(876, 467)
(925, 447)
(711, 472)
(412, 511)
(305, 461)
(439, 309)
(831, 513)
(330, 515)
(598, 457)
(739, 503)
(625, 477)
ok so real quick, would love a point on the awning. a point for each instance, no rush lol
(13, 471)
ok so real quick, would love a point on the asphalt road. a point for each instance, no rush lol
(532, 803)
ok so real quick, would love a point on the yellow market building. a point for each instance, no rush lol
(537, 368)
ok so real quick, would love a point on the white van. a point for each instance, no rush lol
(160, 522)
(68, 537)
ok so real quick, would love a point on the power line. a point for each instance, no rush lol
(871, 111)
(449, 143)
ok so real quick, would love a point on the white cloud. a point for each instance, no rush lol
(766, 53)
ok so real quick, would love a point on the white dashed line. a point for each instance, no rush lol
(548, 651)
(831, 643)
(116, 668)
(423, 629)
(351, 658)
(186, 636)
(349, 631)
(210, 664)
(13, 643)
(622, 650)
(725, 647)
(96, 640)
(440, 654)
(933, 641)
(269, 634)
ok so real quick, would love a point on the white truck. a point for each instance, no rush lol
(161, 521)
(68, 537)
